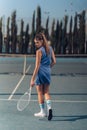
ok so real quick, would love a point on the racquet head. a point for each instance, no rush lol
(24, 100)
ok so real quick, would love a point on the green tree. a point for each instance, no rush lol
(70, 42)
(64, 35)
(38, 20)
(21, 37)
(8, 36)
(57, 38)
(52, 37)
(75, 48)
(13, 32)
(82, 32)
(1, 36)
(32, 49)
(27, 37)
(47, 28)
(60, 37)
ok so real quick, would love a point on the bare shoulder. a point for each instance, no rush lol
(38, 53)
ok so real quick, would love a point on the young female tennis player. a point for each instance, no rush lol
(45, 59)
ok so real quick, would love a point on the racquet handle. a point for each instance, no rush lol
(30, 88)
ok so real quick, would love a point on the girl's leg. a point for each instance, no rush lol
(40, 94)
(41, 101)
(48, 101)
(46, 92)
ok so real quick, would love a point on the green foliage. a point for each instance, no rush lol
(38, 20)
(70, 38)
(8, 36)
(62, 40)
(13, 32)
(21, 37)
(32, 49)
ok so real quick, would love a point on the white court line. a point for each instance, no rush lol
(55, 101)
(70, 101)
(10, 97)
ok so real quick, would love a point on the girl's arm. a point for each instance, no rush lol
(37, 65)
(53, 59)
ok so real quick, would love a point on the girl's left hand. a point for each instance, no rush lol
(32, 83)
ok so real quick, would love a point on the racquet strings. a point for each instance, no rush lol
(23, 102)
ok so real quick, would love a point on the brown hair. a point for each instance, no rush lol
(41, 36)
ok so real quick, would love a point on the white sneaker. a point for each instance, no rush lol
(40, 114)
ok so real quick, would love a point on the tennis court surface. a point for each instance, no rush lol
(68, 92)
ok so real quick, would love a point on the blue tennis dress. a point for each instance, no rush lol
(44, 73)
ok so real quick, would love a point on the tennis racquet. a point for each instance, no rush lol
(24, 100)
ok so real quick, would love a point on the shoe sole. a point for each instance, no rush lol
(50, 115)
(40, 115)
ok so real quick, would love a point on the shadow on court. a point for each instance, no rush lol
(70, 118)
(67, 118)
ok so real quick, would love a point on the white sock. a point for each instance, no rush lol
(48, 104)
(42, 107)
